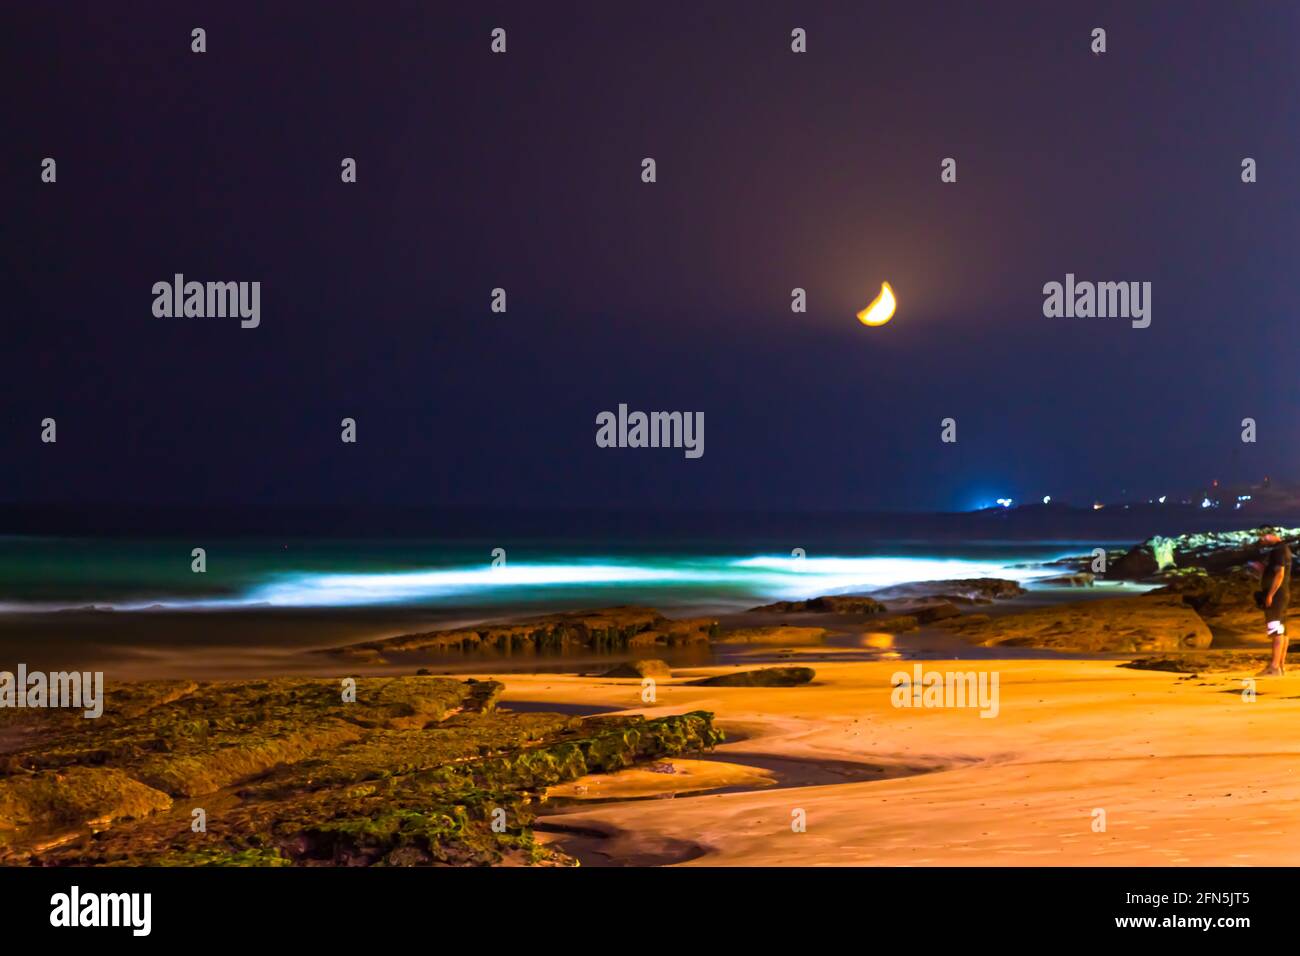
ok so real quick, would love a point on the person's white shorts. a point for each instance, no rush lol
(1276, 628)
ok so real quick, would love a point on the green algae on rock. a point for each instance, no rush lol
(75, 795)
(415, 771)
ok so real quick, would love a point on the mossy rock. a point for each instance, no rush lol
(416, 772)
(75, 795)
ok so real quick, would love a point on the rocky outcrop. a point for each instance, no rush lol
(788, 636)
(1208, 662)
(919, 615)
(1137, 564)
(765, 677)
(894, 623)
(1214, 552)
(905, 598)
(668, 632)
(829, 604)
(1080, 579)
(1111, 625)
(931, 613)
(601, 630)
(951, 591)
(413, 771)
(1226, 601)
(75, 796)
(646, 668)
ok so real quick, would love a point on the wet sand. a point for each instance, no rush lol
(232, 645)
(1186, 771)
(266, 642)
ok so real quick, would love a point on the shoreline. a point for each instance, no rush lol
(234, 644)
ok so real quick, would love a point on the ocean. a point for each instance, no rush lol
(45, 574)
(136, 609)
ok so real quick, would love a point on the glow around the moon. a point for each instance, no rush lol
(881, 309)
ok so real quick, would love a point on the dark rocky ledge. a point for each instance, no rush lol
(615, 628)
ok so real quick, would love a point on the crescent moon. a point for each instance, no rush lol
(881, 309)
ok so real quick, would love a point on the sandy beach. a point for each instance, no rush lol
(967, 722)
(1186, 771)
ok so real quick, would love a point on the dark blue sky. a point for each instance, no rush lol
(775, 170)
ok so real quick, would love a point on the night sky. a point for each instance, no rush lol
(775, 170)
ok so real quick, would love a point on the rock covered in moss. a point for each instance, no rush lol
(415, 771)
(75, 795)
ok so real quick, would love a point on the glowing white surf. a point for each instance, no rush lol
(330, 590)
(829, 575)
(777, 577)
(659, 581)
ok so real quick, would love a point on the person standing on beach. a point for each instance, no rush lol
(1275, 596)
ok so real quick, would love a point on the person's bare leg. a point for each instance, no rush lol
(1274, 668)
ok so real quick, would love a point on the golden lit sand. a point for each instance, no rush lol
(669, 777)
(1186, 770)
